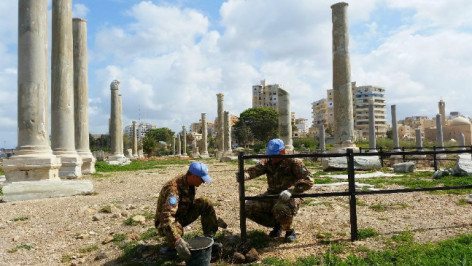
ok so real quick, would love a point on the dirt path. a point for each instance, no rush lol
(48, 231)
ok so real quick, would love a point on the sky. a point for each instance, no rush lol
(173, 57)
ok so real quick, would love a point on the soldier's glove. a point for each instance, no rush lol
(183, 249)
(285, 195)
(221, 223)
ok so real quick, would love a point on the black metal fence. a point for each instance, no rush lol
(352, 192)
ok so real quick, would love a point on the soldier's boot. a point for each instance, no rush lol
(290, 236)
(276, 231)
(221, 223)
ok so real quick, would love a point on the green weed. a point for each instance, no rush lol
(149, 234)
(88, 249)
(20, 219)
(20, 246)
(117, 238)
(366, 233)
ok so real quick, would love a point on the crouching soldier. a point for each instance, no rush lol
(284, 177)
(177, 207)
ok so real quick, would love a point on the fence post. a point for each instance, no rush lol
(352, 193)
(435, 162)
(242, 195)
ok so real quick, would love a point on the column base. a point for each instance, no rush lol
(88, 163)
(118, 159)
(28, 190)
(32, 167)
(205, 155)
(71, 167)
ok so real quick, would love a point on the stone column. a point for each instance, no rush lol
(33, 159)
(220, 124)
(439, 133)
(62, 90)
(204, 153)
(372, 136)
(342, 90)
(173, 145)
(116, 126)
(321, 138)
(285, 119)
(396, 142)
(227, 135)
(419, 140)
(135, 140)
(462, 141)
(179, 145)
(184, 141)
(81, 96)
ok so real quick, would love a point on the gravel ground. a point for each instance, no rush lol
(46, 231)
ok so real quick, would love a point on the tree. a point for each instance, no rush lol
(152, 138)
(258, 124)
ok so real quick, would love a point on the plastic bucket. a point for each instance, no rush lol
(200, 251)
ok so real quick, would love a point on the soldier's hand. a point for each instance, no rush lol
(183, 249)
(285, 195)
(246, 176)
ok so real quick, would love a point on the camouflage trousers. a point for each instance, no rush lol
(200, 207)
(269, 212)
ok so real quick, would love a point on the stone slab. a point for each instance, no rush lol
(406, 167)
(342, 184)
(463, 165)
(228, 158)
(360, 176)
(360, 163)
(28, 190)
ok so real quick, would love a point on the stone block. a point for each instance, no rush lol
(406, 167)
(28, 190)
(29, 168)
(463, 165)
(360, 163)
(88, 163)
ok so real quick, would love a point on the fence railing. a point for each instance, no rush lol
(351, 193)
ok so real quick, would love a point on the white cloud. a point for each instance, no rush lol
(80, 11)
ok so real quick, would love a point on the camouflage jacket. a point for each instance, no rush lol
(283, 175)
(176, 197)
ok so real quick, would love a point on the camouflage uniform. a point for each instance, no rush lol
(290, 174)
(177, 208)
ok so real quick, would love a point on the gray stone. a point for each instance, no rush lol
(227, 134)
(285, 118)
(220, 138)
(463, 165)
(116, 127)
(27, 190)
(406, 167)
(322, 138)
(360, 163)
(252, 255)
(442, 173)
(469, 198)
(204, 152)
(238, 258)
(184, 141)
(439, 133)
(228, 158)
(135, 141)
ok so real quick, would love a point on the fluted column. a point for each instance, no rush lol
(285, 119)
(220, 124)
(372, 136)
(227, 135)
(116, 126)
(173, 145)
(204, 136)
(396, 142)
(135, 140)
(342, 90)
(62, 90)
(439, 132)
(34, 159)
(81, 96)
(321, 139)
(184, 141)
(419, 140)
(179, 145)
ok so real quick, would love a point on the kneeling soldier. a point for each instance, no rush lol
(284, 177)
(177, 208)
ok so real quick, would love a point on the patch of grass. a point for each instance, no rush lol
(258, 238)
(324, 180)
(88, 249)
(366, 233)
(149, 234)
(66, 258)
(337, 248)
(403, 237)
(192, 234)
(324, 237)
(276, 262)
(384, 207)
(149, 215)
(130, 222)
(307, 261)
(20, 218)
(104, 167)
(360, 202)
(119, 238)
(1, 191)
(462, 202)
(1, 171)
(20, 246)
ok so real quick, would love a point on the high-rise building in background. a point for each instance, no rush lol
(141, 128)
(265, 95)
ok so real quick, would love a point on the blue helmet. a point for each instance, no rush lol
(274, 146)
(201, 170)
